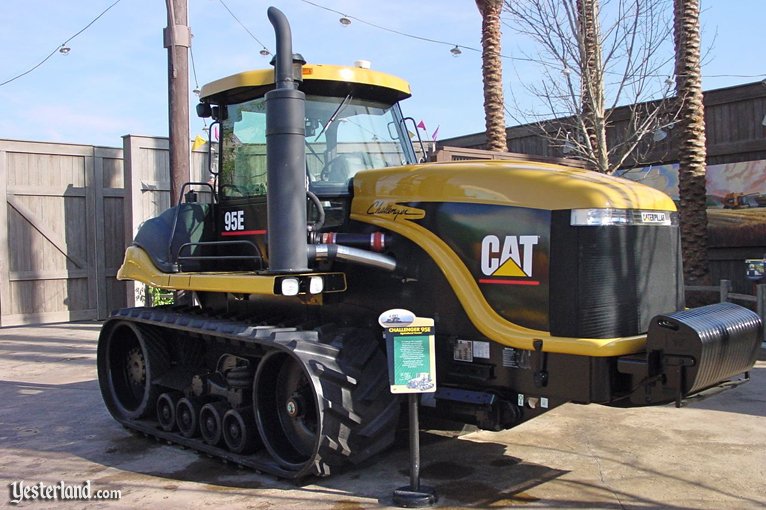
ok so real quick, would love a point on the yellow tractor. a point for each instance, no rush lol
(546, 284)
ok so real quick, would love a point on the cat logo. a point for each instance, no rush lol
(508, 261)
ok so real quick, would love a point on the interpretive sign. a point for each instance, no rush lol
(755, 269)
(411, 356)
(411, 369)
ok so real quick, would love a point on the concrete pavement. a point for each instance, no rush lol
(54, 427)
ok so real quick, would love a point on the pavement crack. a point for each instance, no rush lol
(601, 476)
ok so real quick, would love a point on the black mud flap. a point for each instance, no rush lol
(692, 350)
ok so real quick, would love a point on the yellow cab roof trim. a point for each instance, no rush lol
(347, 74)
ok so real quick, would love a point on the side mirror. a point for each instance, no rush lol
(204, 110)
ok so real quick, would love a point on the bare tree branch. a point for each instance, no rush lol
(593, 53)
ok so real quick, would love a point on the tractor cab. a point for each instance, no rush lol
(353, 122)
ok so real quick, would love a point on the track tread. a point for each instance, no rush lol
(359, 415)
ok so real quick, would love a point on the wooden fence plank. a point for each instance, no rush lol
(63, 274)
(97, 186)
(4, 283)
(46, 191)
(22, 319)
(94, 252)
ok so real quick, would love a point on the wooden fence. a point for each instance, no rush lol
(61, 239)
(65, 222)
(734, 131)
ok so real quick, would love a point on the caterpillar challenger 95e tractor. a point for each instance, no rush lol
(547, 284)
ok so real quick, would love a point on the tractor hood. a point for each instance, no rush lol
(507, 182)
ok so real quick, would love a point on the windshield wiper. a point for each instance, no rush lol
(343, 103)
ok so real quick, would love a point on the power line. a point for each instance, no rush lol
(196, 83)
(194, 68)
(246, 29)
(61, 47)
(436, 41)
(405, 34)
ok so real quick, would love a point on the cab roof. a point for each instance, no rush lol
(318, 79)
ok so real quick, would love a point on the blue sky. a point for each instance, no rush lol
(113, 82)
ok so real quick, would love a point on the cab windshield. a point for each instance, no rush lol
(343, 136)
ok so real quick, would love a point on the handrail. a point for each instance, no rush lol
(257, 257)
(171, 259)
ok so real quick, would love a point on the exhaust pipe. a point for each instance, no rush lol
(285, 159)
(352, 255)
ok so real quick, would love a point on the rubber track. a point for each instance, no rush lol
(336, 373)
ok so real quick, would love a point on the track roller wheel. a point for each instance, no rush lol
(239, 431)
(210, 421)
(130, 357)
(187, 416)
(166, 411)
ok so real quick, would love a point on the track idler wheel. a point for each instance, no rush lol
(320, 406)
(286, 410)
(210, 421)
(166, 411)
(187, 416)
(239, 431)
(130, 357)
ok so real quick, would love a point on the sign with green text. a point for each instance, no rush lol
(411, 356)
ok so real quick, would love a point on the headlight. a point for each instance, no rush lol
(316, 285)
(605, 217)
(290, 286)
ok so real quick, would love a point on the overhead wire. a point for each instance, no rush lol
(243, 25)
(62, 45)
(360, 20)
(196, 82)
(405, 34)
(427, 39)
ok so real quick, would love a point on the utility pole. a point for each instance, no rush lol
(177, 38)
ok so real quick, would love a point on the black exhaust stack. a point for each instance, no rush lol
(286, 159)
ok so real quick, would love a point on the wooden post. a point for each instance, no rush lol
(177, 41)
(4, 277)
(725, 289)
(760, 296)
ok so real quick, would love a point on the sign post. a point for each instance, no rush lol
(411, 370)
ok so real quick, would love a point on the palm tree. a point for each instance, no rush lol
(592, 82)
(492, 74)
(691, 152)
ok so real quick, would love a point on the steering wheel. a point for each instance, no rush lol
(336, 169)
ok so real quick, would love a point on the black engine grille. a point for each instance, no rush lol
(610, 281)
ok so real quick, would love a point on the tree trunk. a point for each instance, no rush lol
(592, 82)
(492, 74)
(691, 152)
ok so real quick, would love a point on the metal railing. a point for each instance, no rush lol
(725, 293)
